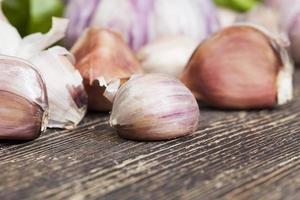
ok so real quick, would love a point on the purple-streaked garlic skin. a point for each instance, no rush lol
(154, 107)
(23, 100)
(143, 21)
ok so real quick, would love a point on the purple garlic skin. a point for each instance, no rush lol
(23, 100)
(154, 107)
(143, 21)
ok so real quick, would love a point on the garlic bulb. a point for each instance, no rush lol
(167, 55)
(143, 21)
(23, 100)
(240, 67)
(102, 56)
(67, 98)
(154, 107)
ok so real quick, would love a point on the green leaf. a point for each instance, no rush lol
(238, 5)
(41, 12)
(17, 12)
(30, 16)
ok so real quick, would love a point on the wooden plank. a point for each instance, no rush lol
(233, 155)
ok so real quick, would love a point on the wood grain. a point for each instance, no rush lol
(233, 155)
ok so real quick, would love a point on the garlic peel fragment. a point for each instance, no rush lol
(101, 57)
(66, 95)
(37, 42)
(9, 38)
(111, 88)
(285, 79)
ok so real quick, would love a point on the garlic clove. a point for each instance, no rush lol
(167, 55)
(67, 97)
(240, 67)
(19, 118)
(154, 107)
(103, 53)
(23, 100)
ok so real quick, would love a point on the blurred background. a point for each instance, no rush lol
(144, 22)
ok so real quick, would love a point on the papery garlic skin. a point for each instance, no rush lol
(102, 54)
(240, 67)
(67, 97)
(154, 107)
(23, 100)
(167, 55)
(289, 15)
(143, 21)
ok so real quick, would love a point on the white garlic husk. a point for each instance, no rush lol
(167, 55)
(67, 97)
(154, 107)
(23, 100)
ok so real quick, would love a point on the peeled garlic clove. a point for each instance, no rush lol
(103, 54)
(240, 67)
(67, 97)
(167, 55)
(23, 100)
(154, 107)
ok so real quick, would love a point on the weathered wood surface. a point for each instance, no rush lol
(233, 155)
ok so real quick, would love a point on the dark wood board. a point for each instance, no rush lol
(233, 155)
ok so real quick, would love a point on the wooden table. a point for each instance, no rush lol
(233, 155)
